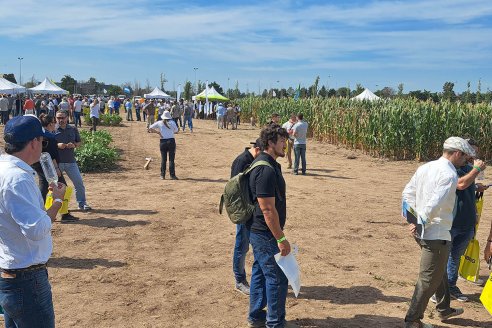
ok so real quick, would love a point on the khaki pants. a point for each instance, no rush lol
(150, 120)
(288, 152)
(432, 279)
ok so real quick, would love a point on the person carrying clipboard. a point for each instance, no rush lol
(430, 196)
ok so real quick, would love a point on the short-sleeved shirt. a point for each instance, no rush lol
(166, 133)
(69, 134)
(265, 182)
(241, 162)
(300, 128)
(466, 210)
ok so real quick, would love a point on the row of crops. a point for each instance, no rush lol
(397, 129)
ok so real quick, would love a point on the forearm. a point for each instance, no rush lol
(273, 223)
(53, 210)
(467, 180)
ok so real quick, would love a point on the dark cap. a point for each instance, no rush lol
(257, 143)
(24, 128)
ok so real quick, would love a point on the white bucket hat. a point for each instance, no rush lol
(166, 115)
(457, 143)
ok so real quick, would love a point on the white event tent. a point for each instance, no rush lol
(48, 87)
(8, 87)
(366, 95)
(157, 94)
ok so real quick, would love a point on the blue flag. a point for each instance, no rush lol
(127, 90)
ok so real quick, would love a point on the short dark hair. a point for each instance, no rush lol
(275, 115)
(15, 147)
(63, 111)
(46, 119)
(300, 116)
(271, 132)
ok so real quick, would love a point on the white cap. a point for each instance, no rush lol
(457, 143)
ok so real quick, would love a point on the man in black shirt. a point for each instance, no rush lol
(241, 163)
(267, 186)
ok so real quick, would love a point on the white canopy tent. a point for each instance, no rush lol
(366, 95)
(48, 87)
(8, 87)
(157, 94)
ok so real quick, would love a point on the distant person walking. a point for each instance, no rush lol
(290, 141)
(166, 129)
(299, 131)
(188, 116)
(128, 107)
(94, 114)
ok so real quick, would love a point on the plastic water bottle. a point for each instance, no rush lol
(48, 168)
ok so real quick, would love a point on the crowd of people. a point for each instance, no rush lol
(442, 192)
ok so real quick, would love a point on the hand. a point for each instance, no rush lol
(62, 145)
(480, 164)
(413, 229)
(58, 191)
(481, 187)
(70, 145)
(487, 251)
(284, 248)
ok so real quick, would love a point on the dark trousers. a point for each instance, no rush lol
(168, 147)
(432, 279)
(76, 117)
(5, 117)
(95, 121)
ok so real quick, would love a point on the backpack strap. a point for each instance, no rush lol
(259, 163)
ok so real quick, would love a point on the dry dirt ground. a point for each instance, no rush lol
(156, 253)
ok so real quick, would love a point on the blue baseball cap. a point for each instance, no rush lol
(24, 128)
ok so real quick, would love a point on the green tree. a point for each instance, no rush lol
(68, 83)
(114, 90)
(31, 83)
(358, 89)
(400, 90)
(447, 92)
(343, 92)
(187, 90)
(479, 92)
(332, 93)
(387, 92)
(217, 87)
(236, 94)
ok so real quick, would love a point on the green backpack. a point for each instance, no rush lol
(236, 198)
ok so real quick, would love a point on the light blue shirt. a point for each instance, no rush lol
(221, 110)
(25, 227)
(300, 131)
(166, 133)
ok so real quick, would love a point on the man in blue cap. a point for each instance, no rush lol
(25, 231)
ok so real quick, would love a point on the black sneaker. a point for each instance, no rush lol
(68, 218)
(456, 294)
(451, 313)
(173, 177)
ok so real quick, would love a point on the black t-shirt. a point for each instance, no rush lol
(266, 182)
(241, 163)
(466, 210)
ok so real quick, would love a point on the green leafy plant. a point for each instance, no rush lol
(104, 119)
(95, 154)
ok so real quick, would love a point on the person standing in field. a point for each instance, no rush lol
(267, 187)
(465, 219)
(240, 164)
(188, 116)
(166, 129)
(77, 111)
(149, 109)
(111, 105)
(290, 141)
(94, 114)
(128, 107)
(299, 131)
(432, 193)
(25, 235)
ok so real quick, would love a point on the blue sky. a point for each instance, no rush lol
(421, 44)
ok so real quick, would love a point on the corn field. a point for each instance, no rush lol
(397, 129)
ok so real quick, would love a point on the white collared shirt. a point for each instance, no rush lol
(25, 227)
(432, 193)
(166, 133)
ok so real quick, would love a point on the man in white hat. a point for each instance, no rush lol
(432, 193)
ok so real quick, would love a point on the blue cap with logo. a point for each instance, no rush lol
(24, 128)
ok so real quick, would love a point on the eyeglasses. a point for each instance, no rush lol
(45, 143)
(61, 117)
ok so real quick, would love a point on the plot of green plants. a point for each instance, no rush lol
(96, 154)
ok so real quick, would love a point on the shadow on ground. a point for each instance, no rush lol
(358, 321)
(204, 180)
(109, 223)
(72, 263)
(122, 212)
(351, 295)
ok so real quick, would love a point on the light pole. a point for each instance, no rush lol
(20, 69)
(228, 88)
(196, 92)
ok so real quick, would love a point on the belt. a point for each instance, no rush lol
(30, 268)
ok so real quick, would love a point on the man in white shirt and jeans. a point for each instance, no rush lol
(432, 193)
(25, 230)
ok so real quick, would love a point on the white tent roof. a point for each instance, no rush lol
(48, 87)
(157, 93)
(211, 93)
(366, 95)
(8, 87)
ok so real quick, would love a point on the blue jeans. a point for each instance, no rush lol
(268, 282)
(300, 152)
(187, 119)
(27, 301)
(240, 250)
(76, 118)
(460, 238)
(73, 172)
